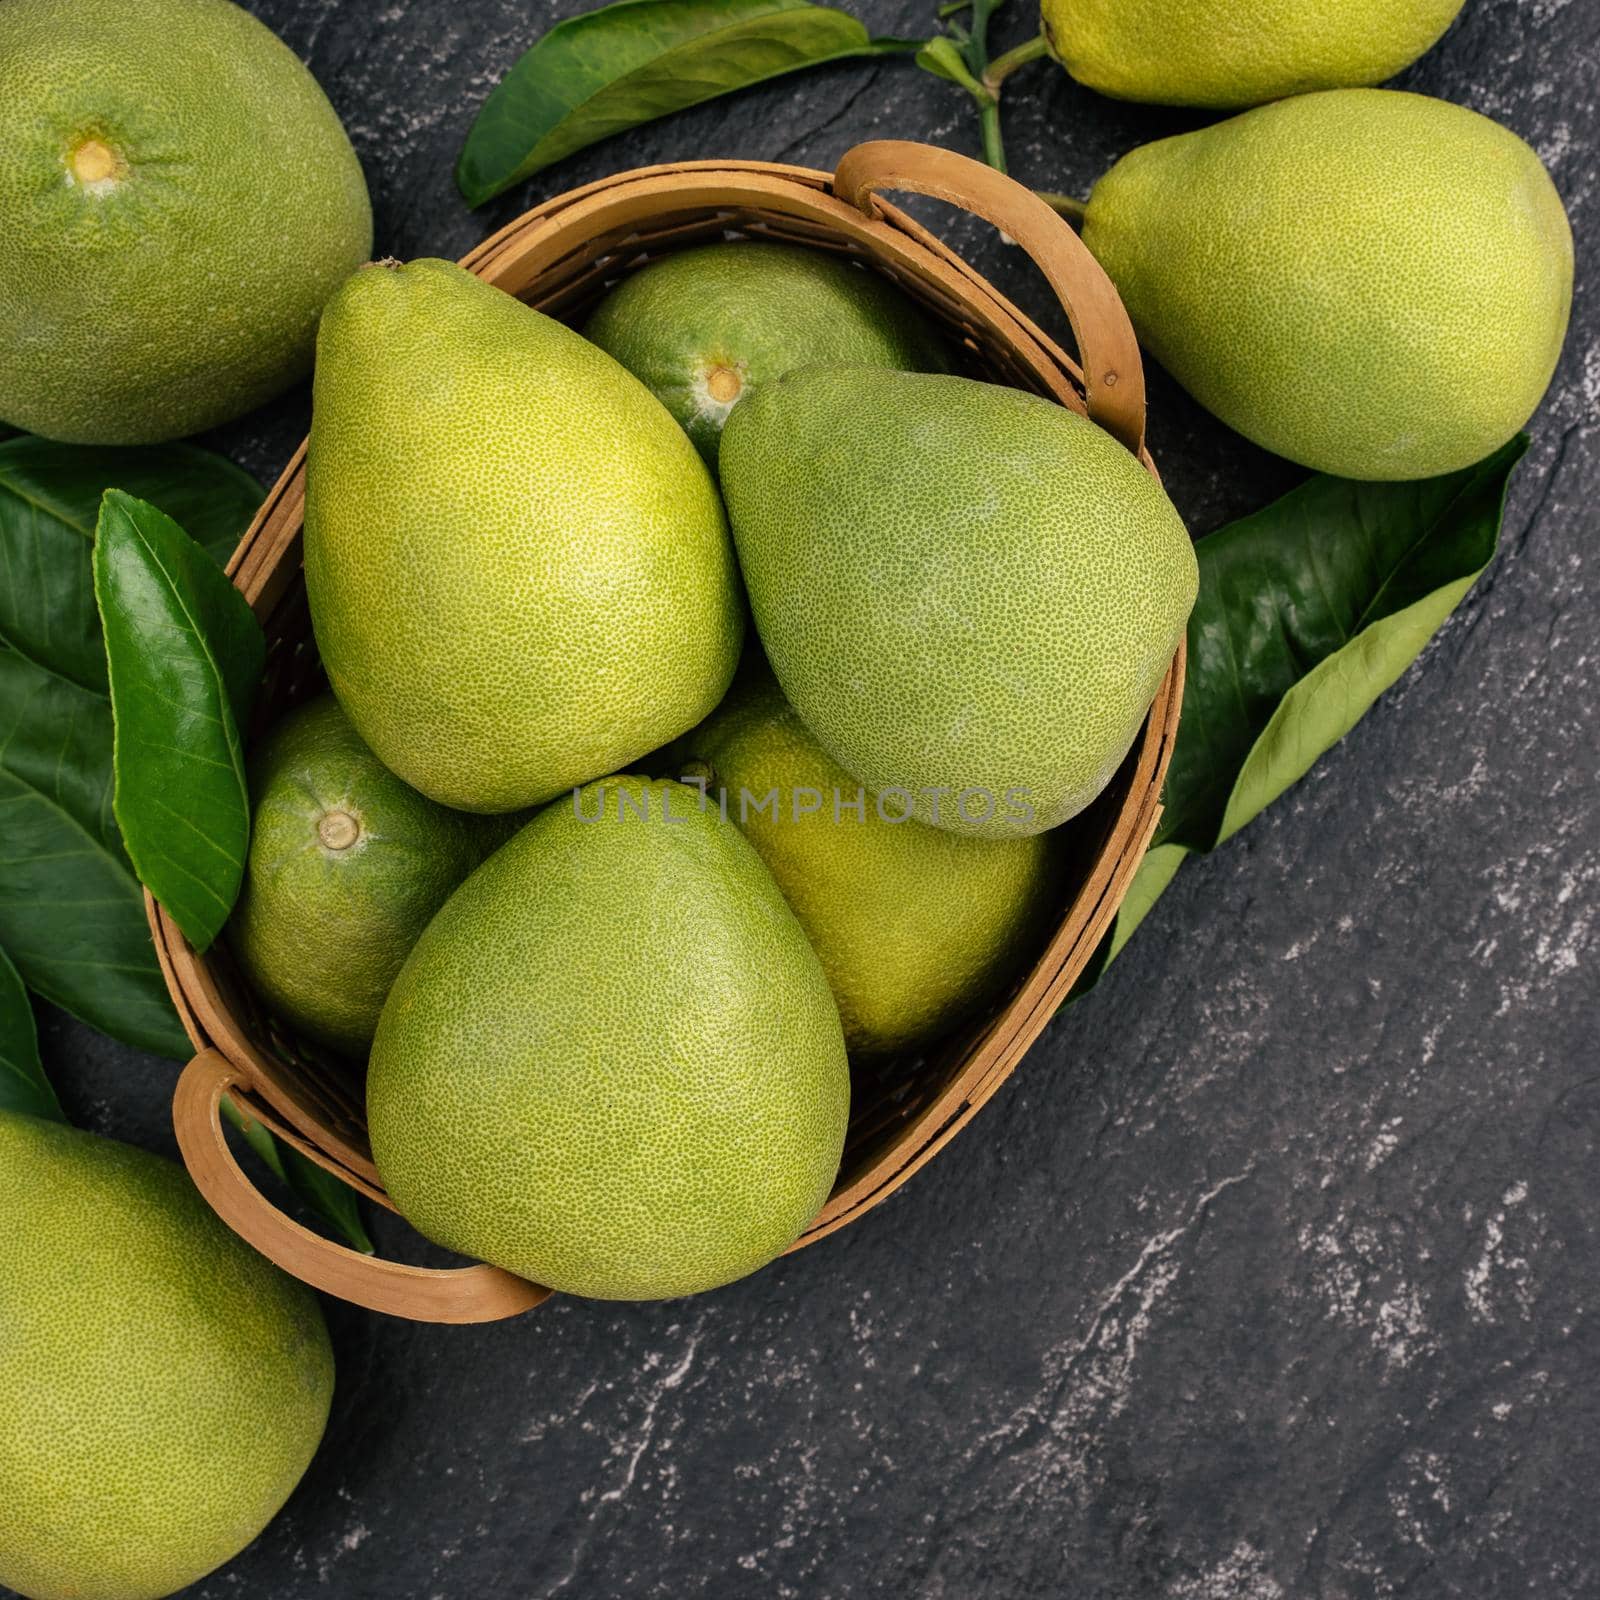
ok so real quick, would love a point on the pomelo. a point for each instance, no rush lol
(702, 327)
(519, 570)
(1231, 53)
(179, 201)
(162, 1387)
(917, 928)
(1373, 284)
(969, 594)
(612, 1063)
(346, 866)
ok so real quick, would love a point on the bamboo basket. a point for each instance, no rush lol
(559, 257)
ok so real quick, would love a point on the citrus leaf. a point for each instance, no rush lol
(71, 909)
(49, 500)
(1308, 610)
(633, 61)
(23, 1085)
(185, 655)
(1156, 871)
(333, 1201)
(941, 58)
(71, 912)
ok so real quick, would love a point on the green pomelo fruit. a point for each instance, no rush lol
(179, 199)
(702, 327)
(346, 866)
(1231, 53)
(519, 570)
(917, 928)
(162, 1387)
(612, 1063)
(968, 593)
(1369, 283)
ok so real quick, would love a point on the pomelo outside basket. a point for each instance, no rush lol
(560, 257)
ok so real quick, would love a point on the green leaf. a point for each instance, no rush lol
(71, 911)
(185, 655)
(1307, 612)
(628, 63)
(1156, 871)
(941, 58)
(49, 499)
(23, 1085)
(333, 1201)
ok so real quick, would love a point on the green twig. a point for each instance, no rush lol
(994, 149)
(960, 55)
(1072, 210)
(1004, 65)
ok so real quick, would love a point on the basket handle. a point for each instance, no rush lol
(461, 1294)
(1107, 349)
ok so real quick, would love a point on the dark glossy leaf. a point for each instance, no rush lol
(49, 500)
(1307, 612)
(185, 655)
(23, 1085)
(334, 1202)
(71, 909)
(71, 912)
(628, 63)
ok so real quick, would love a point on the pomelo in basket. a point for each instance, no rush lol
(519, 570)
(346, 866)
(917, 928)
(162, 1387)
(179, 202)
(611, 1063)
(968, 593)
(704, 326)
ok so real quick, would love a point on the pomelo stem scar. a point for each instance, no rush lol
(95, 162)
(338, 830)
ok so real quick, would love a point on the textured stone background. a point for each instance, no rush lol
(1275, 1270)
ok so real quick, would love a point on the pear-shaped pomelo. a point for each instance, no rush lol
(1370, 283)
(612, 1064)
(178, 202)
(346, 866)
(162, 1387)
(1231, 53)
(703, 327)
(968, 593)
(519, 570)
(917, 928)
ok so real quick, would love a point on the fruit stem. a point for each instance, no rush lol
(1073, 210)
(1004, 65)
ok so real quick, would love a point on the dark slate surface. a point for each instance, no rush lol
(1273, 1272)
